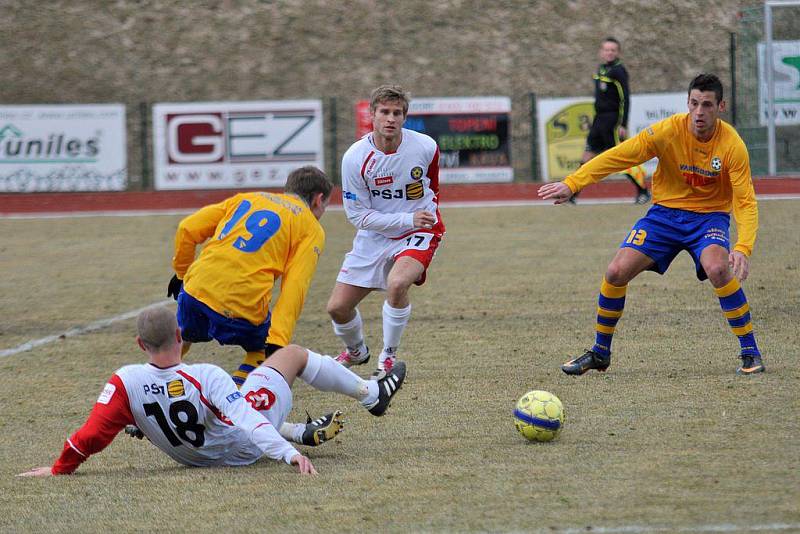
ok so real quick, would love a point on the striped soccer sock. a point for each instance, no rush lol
(251, 360)
(737, 312)
(609, 310)
(637, 175)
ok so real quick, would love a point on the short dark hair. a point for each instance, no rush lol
(610, 39)
(707, 82)
(307, 181)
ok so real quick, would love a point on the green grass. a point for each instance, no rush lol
(668, 438)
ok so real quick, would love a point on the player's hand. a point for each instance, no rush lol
(740, 264)
(623, 133)
(174, 287)
(304, 465)
(271, 349)
(558, 192)
(38, 472)
(424, 219)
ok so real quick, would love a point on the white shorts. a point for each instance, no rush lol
(267, 391)
(373, 256)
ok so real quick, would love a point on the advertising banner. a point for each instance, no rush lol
(220, 145)
(564, 123)
(63, 148)
(786, 78)
(473, 135)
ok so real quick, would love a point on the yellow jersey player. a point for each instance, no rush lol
(703, 174)
(253, 239)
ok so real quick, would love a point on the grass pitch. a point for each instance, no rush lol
(668, 439)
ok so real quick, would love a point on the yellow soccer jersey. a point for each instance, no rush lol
(255, 238)
(691, 175)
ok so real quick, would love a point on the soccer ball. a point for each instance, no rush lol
(539, 416)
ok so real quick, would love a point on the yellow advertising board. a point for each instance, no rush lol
(565, 136)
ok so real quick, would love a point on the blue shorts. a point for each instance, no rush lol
(664, 232)
(199, 323)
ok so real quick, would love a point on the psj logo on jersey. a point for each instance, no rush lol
(413, 191)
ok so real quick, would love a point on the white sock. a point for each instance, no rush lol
(292, 432)
(352, 334)
(394, 322)
(326, 374)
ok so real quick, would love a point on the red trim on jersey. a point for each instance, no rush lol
(204, 400)
(364, 167)
(104, 423)
(433, 175)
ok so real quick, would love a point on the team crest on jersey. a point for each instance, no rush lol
(414, 191)
(716, 164)
(416, 173)
(175, 388)
(261, 400)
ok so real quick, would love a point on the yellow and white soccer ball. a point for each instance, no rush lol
(539, 416)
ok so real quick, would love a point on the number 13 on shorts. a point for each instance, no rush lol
(420, 241)
(636, 237)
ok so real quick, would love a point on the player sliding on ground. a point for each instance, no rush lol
(703, 173)
(197, 415)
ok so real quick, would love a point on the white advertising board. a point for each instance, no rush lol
(63, 148)
(785, 77)
(218, 145)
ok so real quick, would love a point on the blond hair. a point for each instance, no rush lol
(389, 93)
(156, 328)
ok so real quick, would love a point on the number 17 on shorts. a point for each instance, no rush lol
(418, 241)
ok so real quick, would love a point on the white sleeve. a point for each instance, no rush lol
(224, 395)
(357, 201)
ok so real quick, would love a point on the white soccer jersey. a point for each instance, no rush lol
(382, 191)
(195, 414)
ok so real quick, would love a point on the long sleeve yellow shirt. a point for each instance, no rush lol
(697, 176)
(254, 239)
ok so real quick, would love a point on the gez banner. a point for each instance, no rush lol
(564, 124)
(786, 79)
(473, 135)
(217, 145)
(63, 148)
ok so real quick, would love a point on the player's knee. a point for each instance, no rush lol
(336, 310)
(718, 273)
(396, 288)
(616, 275)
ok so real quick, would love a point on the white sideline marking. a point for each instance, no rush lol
(91, 327)
(770, 527)
(443, 204)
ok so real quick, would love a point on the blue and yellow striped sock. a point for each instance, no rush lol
(251, 361)
(609, 310)
(737, 312)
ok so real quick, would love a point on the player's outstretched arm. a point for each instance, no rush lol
(38, 472)
(558, 192)
(303, 464)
